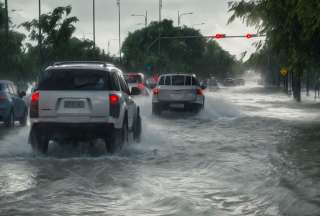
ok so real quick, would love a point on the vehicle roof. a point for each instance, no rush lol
(178, 75)
(82, 65)
(6, 81)
(134, 74)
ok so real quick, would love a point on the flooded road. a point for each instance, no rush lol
(251, 152)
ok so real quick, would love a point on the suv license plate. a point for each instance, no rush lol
(73, 104)
(177, 106)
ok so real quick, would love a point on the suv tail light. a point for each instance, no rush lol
(141, 86)
(3, 97)
(114, 101)
(34, 106)
(156, 91)
(199, 91)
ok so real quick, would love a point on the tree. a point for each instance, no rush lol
(292, 27)
(192, 55)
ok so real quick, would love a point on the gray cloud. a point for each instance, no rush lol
(212, 12)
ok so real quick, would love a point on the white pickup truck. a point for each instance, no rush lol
(83, 100)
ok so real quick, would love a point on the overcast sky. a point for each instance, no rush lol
(213, 12)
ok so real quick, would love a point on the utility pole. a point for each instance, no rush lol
(94, 23)
(146, 19)
(160, 19)
(119, 11)
(7, 35)
(40, 37)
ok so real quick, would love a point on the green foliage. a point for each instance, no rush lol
(193, 55)
(292, 28)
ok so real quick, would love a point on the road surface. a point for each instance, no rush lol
(251, 152)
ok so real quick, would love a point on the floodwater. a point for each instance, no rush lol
(253, 151)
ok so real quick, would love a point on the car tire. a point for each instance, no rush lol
(39, 141)
(118, 138)
(24, 118)
(156, 110)
(9, 123)
(137, 131)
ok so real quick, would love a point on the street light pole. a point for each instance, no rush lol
(119, 11)
(145, 17)
(183, 14)
(40, 36)
(7, 20)
(94, 23)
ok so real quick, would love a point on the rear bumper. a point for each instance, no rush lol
(198, 100)
(74, 130)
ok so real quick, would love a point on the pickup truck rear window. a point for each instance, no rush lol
(74, 80)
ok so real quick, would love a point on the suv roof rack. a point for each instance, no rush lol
(105, 64)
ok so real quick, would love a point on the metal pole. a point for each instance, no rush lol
(146, 19)
(119, 10)
(40, 36)
(7, 36)
(94, 23)
(7, 20)
(178, 18)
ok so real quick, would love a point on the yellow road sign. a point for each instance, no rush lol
(284, 72)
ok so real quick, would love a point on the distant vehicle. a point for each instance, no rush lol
(83, 100)
(229, 82)
(178, 91)
(240, 82)
(12, 106)
(152, 82)
(212, 84)
(137, 80)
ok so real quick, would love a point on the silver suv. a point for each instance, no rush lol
(177, 91)
(83, 100)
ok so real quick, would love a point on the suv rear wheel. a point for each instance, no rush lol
(118, 138)
(39, 141)
(10, 120)
(137, 129)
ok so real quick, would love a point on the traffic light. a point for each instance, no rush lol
(219, 36)
(249, 36)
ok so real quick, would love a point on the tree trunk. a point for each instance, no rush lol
(297, 84)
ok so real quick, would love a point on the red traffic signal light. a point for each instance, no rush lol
(219, 36)
(249, 36)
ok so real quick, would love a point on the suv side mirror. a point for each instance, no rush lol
(135, 91)
(22, 94)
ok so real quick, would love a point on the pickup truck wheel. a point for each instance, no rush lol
(23, 120)
(39, 141)
(156, 109)
(137, 129)
(118, 138)
(10, 120)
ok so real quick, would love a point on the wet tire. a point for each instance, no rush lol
(9, 123)
(39, 141)
(137, 131)
(156, 110)
(23, 120)
(118, 138)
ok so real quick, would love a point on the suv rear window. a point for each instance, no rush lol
(77, 80)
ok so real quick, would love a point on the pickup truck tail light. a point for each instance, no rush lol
(34, 106)
(199, 91)
(114, 101)
(156, 91)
